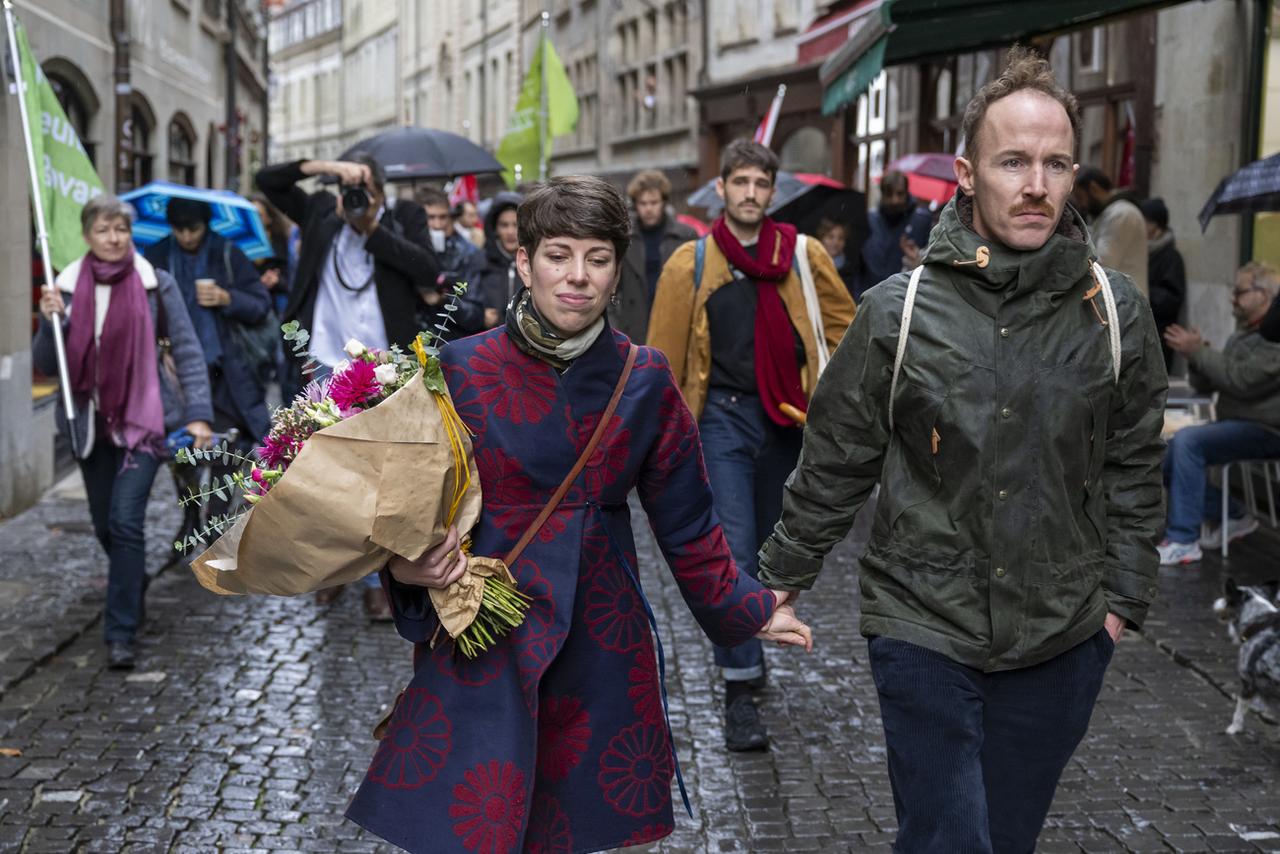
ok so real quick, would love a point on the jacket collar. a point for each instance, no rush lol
(66, 280)
(1056, 266)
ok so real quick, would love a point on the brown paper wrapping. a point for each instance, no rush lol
(457, 604)
(376, 484)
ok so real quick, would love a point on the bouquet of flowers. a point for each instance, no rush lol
(369, 462)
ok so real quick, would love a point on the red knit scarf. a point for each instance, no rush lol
(777, 371)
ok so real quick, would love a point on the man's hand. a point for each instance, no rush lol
(211, 295)
(910, 253)
(270, 278)
(351, 174)
(201, 434)
(1182, 340)
(431, 297)
(491, 318)
(1114, 626)
(51, 303)
(438, 567)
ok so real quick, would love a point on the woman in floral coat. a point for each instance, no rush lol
(556, 739)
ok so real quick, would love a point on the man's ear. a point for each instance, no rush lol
(964, 175)
(720, 187)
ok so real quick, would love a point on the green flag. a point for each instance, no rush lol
(67, 178)
(520, 145)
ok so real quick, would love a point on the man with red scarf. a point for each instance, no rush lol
(730, 312)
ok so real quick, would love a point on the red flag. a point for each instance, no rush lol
(764, 133)
(464, 189)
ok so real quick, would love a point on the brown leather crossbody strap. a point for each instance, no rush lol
(594, 442)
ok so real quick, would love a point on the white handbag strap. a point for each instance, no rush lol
(1113, 318)
(812, 305)
(904, 329)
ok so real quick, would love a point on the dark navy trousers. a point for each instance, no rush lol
(974, 757)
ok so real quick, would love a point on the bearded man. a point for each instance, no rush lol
(1008, 396)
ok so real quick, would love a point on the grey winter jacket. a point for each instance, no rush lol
(1021, 493)
(186, 400)
(1245, 374)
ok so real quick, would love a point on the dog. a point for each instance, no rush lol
(1252, 615)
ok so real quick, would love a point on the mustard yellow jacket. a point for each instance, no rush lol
(678, 321)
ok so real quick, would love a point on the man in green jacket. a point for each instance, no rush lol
(1014, 427)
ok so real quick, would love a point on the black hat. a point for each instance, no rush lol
(1155, 211)
(188, 212)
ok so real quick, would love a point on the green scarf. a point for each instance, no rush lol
(535, 336)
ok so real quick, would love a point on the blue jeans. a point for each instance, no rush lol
(118, 484)
(974, 758)
(748, 460)
(1191, 496)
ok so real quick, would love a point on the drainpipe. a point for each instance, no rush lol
(232, 124)
(1251, 124)
(123, 97)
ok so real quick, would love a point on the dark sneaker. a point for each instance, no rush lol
(743, 729)
(760, 682)
(120, 656)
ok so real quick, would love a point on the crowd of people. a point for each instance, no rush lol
(1015, 439)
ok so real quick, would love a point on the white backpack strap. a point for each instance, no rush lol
(904, 329)
(1113, 318)
(812, 306)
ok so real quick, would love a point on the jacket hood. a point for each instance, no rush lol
(1057, 265)
(501, 202)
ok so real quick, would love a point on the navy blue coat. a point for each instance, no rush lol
(239, 388)
(556, 738)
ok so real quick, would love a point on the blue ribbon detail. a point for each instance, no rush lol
(662, 658)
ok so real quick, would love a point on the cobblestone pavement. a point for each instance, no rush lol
(246, 725)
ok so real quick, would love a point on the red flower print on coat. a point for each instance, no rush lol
(645, 693)
(703, 569)
(609, 459)
(511, 384)
(635, 770)
(533, 659)
(648, 833)
(564, 729)
(748, 616)
(488, 808)
(416, 745)
(549, 831)
(472, 672)
(510, 495)
(614, 614)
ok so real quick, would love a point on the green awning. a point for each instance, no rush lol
(894, 32)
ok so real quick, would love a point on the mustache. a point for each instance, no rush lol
(1032, 207)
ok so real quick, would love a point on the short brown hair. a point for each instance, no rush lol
(826, 226)
(104, 206)
(742, 153)
(1024, 70)
(648, 181)
(430, 197)
(581, 206)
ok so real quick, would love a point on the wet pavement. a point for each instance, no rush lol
(246, 725)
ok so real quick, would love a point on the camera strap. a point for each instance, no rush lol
(337, 267)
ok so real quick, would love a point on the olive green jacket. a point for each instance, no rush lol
(1021, 490)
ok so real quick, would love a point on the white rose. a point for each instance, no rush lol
(353, 348)
(385, 374)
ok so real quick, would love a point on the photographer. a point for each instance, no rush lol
(361, 264)
(460, 261)
(360, 269)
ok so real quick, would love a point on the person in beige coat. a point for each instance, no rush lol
(735, 319)
(1116, 224)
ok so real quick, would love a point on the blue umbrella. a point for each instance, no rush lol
(234, 216)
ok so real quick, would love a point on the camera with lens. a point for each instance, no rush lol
(355, 201)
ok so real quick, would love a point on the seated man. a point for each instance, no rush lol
(1246, 376)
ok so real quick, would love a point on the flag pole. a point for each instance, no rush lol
(42, 233)
(542, 106)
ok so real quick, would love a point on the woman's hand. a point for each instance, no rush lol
(438, 567)
(786, 628)
(51, 303)
(201, 434)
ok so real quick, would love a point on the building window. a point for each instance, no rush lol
(137, 145)
(77, 112)
(806, 150)
(182, 148)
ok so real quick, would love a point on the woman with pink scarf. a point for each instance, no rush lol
(137, 373)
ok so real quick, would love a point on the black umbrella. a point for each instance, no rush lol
(1253, 189)
(413, 152)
